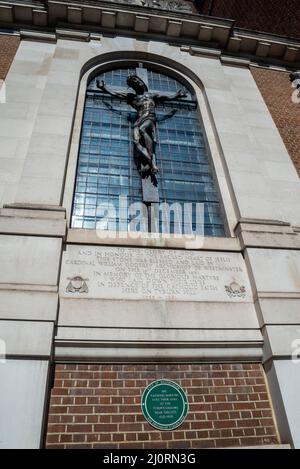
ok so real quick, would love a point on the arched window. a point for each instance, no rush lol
(106, 165)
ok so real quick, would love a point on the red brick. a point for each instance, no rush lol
(202, 444)
(130, 427)
(66, 418)
(110, 416)
(8, 48)
(78, 438)
(56, 428)
(79, 418)
(53, 438)
(225, 423)
(260, 15)
(227, 442)
(179, 444)
(131, 436)
(118, 437)
(78, 428)
(153, 445)
(80, 409)
(129, 418)
(53, 418)
(201, 425)
(248, 423)
(92, 437)
(104, 437)
(105, 427)
(178, 435)
(66, 438)
(128, 445)
(249, 431)
(105, 445)
(104, 418)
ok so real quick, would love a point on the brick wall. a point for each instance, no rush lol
(276, 90)
(8, 48)
(98, 406)
(274, 16)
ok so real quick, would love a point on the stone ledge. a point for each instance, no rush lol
(28, 287)
(33, 220)
(31, 213)
(32, 226)
(28, 305)
(51, 208)
(250, 239)
(147, 240)
(279, 341)
(148, 336)
(235, 61)
(267, 234)
(201, 51)
(80, 353)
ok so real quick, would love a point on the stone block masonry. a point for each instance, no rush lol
(99, 406)
(8, 48)
(277, 91)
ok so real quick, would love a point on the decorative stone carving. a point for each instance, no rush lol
(171, 5)
(77, 285)
(295, 77)
(234, 290)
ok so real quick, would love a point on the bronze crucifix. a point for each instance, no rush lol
(144, 128)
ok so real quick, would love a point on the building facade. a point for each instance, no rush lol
(97, 301)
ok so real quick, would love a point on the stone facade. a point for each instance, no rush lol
(243, 323)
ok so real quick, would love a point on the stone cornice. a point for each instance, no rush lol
(80, 20)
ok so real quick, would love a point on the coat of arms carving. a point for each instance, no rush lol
(234, 290)
(77, 285)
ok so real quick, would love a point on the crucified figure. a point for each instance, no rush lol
(144, 130)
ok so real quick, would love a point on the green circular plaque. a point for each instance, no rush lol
(164, 404)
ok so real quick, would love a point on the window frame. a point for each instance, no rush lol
(213, 151)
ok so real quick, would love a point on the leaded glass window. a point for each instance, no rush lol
(106, 167)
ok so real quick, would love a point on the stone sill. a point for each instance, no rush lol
(84, 236)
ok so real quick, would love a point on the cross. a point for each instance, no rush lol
(145, 126)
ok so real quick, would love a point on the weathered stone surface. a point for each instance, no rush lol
(29, 260)
(22, 394)
(276, 272)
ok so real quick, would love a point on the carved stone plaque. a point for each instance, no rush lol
(181, 6)
(154, 274)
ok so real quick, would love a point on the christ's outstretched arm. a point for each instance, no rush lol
(102, 86)
(180, 94)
